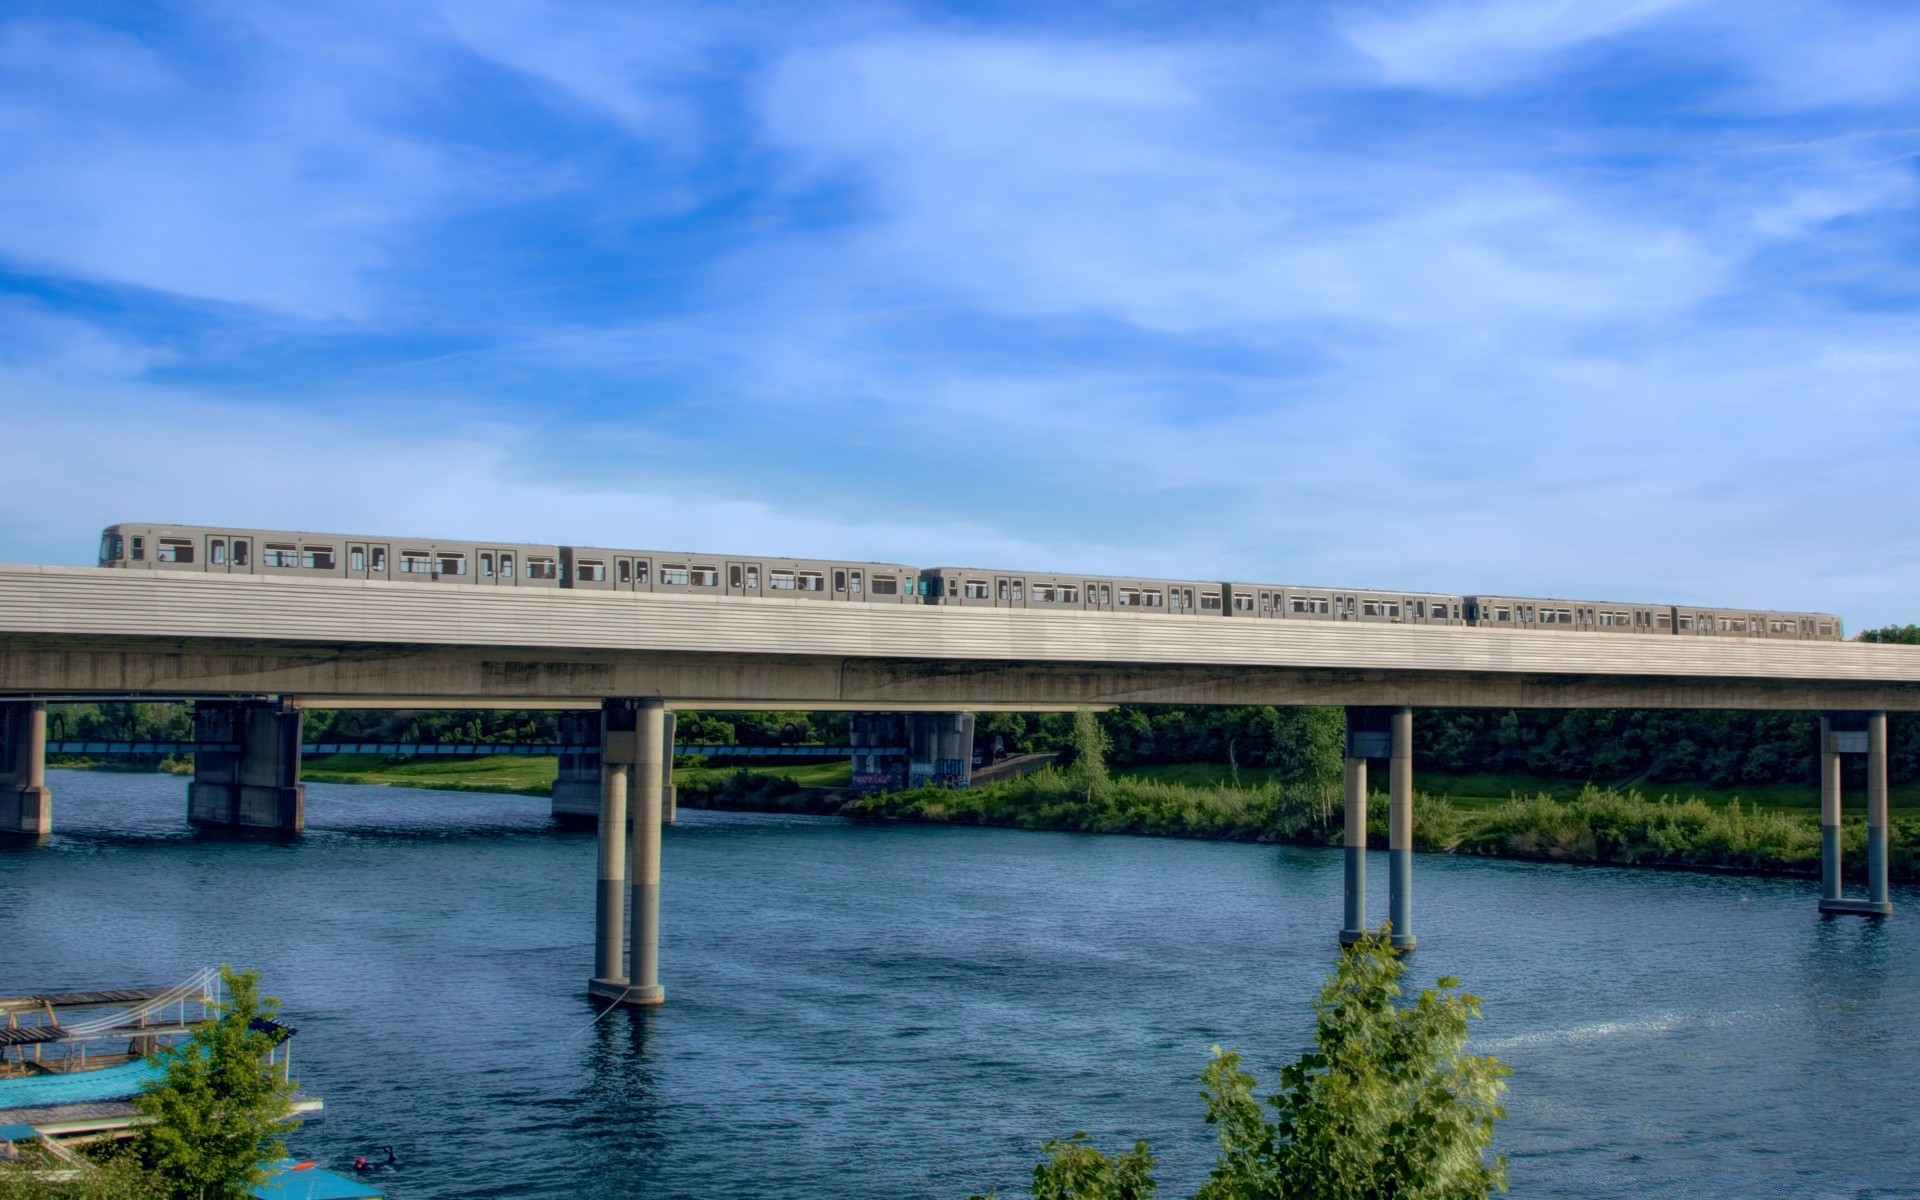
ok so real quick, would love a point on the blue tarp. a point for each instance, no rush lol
(81, 1087)
(311, 1183)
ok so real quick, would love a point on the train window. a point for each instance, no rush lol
(1826, 629)
(540, 567)
(1266, 601)
(589, 570)
(1686, 622)
(139, 548)
(1243, 603)
(626, 570)
(506, 563)
(734, 577)
(412, 562)
(839, 581)
(812, 581)
(217, 551)
(1211, 601)
(1003, 589)
(486, 566)
(1502, 613)
(1106, 594)
(1663, 620)
(174, 550)
(782, 581)
(278, 555)
(453, 564)
(1606, 619)
(640, 571)
(854, 581)
(705, 576)
(886, 585)
(379, 557)
(1019, 591)
(320, 558)
(1069, 595)
(673, 575)
(1151, 598)
(753, 576)
(110, 546)
(357, 558)
(1043, 592)
(1129, 597)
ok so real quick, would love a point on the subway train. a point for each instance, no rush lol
(590, 568)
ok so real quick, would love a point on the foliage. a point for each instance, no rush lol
(1598, 825)
(1089, 766)
(115, 1176)
(1387, 1104)
(221, 1106)
(1899, 635)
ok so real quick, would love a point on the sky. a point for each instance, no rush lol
(1609, 299)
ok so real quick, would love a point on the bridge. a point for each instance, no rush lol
(252, 651)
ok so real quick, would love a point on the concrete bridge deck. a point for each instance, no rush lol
(89, 632)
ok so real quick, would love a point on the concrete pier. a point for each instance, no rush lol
(1877, 812)
(670, 794)
(26, 806)
(1400, 831)
(1863, 734)
(1829, 814)
(610, 903)
(257, 788)
(576, 784)
(1368, 736)
(651, 758)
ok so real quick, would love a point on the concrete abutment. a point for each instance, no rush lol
(26, 805)
(256, 786)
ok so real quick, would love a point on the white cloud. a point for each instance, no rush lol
(1476, 45)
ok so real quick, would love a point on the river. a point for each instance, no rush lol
(864, 1011)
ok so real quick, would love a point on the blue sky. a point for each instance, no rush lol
(1610, 298)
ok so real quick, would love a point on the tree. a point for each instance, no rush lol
(1901, 635)
(221, 1107)
(1386, 1104)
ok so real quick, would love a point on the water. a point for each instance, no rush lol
(887, 1012)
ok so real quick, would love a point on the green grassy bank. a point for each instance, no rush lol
(533, 776)
(1593, 826)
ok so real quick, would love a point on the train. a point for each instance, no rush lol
(438, 561)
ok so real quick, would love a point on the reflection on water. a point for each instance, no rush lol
(879, 1012)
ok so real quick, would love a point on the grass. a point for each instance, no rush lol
(1594, 825)
(528, 776)
(1489, 790)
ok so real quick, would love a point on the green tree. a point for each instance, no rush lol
(1902, 635)
(221, 1107)
(1386, 1104)
(1089, 767)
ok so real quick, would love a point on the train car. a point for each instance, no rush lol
(1696, 621)
(977, 587)
(1295, 603)
(690, 573)
(233, 551)
(494, 564)
(1568, 616)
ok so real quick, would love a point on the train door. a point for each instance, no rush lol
(1002, 591)
(357, 560)
(217, 554)
(743, 579)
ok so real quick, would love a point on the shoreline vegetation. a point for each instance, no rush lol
(1539, 820)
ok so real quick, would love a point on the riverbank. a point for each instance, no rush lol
(1596, 826)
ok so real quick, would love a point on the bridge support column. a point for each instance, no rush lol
(671, 794)
(1829, 814)
(610, 904)
(1400, 830)
(1865, 734)
(257, 788)
(26, 806)
(1877, 812)
(651, 758)
(576, 787)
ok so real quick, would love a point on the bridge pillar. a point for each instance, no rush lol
(670, 793)
(1877, 812)
(610, 908)
(1829, 814)
(576, 788)
(1400, 830)
(1865, 734)
(26, 806)
(257, 788)
(651, 757)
